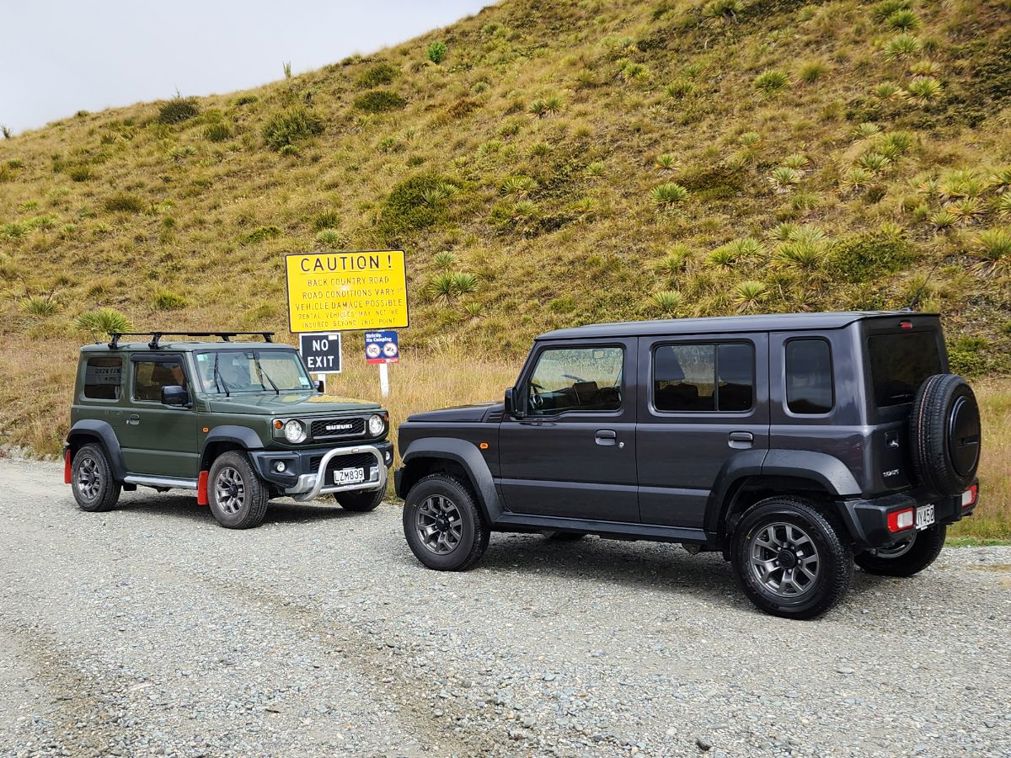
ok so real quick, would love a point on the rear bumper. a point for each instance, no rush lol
(305, 471)
(867, 519)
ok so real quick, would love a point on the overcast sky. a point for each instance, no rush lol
(61, 56)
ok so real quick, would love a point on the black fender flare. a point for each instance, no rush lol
(469, 457)
(102, 432)
(826, 470)
(242, 436)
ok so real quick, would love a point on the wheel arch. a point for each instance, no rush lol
(224, 438)
(95, 430)
(430, 455)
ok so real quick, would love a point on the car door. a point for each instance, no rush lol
(157, 439)
(570, 452)
(703, 403)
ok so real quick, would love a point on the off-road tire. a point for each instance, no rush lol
(255, 494)
(474, 533)
(834, 557)
(91, 460)
(360, 501)
(944, 434)
(924, 551)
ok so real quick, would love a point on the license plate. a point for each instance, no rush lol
(356, 475)
(924, 516)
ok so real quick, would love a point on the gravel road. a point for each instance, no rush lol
(149, 630)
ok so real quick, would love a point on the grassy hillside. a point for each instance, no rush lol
(544, 164)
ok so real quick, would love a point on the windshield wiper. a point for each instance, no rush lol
(263, 373)
(217, 376)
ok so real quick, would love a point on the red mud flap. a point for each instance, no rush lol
(202, 488)
(66, 466)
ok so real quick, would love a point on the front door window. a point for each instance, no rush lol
(576, 379)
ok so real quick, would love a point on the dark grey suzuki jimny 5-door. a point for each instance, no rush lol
(793, 444)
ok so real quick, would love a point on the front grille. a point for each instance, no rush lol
(338, 427)
(366, 461)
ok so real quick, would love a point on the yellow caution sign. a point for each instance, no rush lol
(334, 292)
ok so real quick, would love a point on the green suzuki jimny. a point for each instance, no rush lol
(238, 422)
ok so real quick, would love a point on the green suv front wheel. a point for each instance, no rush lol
(235, 494)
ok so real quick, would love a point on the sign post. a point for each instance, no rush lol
(321, 353)
(350, 291)
(382, 348)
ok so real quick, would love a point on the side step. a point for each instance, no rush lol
(161, 482)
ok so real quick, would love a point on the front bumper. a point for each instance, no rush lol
(305, 471)
(867, 519)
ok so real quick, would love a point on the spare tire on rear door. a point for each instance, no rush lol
(944, 431)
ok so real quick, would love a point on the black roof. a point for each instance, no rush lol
(721, 324)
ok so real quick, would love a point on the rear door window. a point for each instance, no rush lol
(809, 387)
(704, 377)
(899, 364)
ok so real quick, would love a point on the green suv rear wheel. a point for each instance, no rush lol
(94, 487)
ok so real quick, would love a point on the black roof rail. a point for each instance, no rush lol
(154, 344)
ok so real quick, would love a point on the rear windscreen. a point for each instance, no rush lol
(899, 364)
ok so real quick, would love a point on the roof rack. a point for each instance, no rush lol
(154, 344)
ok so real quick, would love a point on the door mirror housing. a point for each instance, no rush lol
(175, 395)
(321, 386)
(510, 404)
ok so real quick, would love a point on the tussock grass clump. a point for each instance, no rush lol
(680, 89)
(771, 81)
(994, 245)
(444, 260)
(379, 101)
(722, 8)
(101, 321)
(668, 302)
(331, 239)
(377, 75)
(286, 128)
(436, 52)
(543, 107)
(40, 306)
(177, 110)
(326, 220)
(520, 185)
(812, 71)
(861, 257)
(903, 19)
(924, 89)
(123, 202)
(167, 300)
(903, 46)
(669, 193)
(784, 178)
(749, 295)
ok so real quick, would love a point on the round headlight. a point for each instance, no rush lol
(294, 431)
(376, 425)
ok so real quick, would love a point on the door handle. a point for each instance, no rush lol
(133, 419)
(741, 440)
(606, 437)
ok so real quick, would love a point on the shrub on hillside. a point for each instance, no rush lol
(436, 52)
(379, 101)
(40, 306)
(968, 356)
(261, 234)
(288, 127)
(669, 193)
(177, 110)
(416, 203)
(102, 321)
(326, 220)
(374, 76)
(861, 257)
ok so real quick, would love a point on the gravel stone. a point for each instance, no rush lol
(150, 630)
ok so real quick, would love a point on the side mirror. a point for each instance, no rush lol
(321, 386)
(173, 394)
(510, 403)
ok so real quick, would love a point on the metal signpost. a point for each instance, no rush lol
(361, 290)
(382, 349)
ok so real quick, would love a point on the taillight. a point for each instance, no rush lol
(899, 521)
(905, 324)
(970, 496)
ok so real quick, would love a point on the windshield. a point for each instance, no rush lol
(899, 364)
(228, 371)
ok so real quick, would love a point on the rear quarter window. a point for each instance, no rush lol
(103, 378)
(899, 364)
